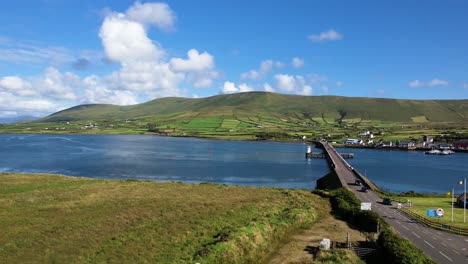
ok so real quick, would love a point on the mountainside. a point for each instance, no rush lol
(278, 105)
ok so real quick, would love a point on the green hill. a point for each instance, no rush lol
(264, 105)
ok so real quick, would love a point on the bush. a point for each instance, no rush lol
(397, 250)
(393, 248)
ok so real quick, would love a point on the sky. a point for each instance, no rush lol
(56, 54)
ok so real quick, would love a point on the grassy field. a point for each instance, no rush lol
(57, 219)
(421, 204)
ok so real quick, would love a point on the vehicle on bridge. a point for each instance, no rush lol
(387, 201)
(364, 189)
(358, 182)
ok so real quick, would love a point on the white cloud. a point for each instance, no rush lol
(56, 85)
(297, 62)
(437, 82)
(267, 87)
(465, 85)
(296, 84)
(339, 83)
(433, 83)
(159, 15)
(244, 88)
(10, 103)
(196, 62)
(329, 35)
(285, 82)
(96, 92)
(265, 67)
(415, 83)
(16, 85)
(126, 41)
(250, 75)
(230, 87)
(199, 68)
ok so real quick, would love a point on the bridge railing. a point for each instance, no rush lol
(434, 224)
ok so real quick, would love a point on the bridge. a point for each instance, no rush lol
(442, 247)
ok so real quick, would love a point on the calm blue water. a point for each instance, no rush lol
(399, 171)
(226, 162)
(162, 159)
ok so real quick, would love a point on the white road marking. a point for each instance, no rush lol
(439, 233)
(446, 256)
(429, 244)
(463, 248)
(456, 251)
(416, 235)
(434, 238)
(405, 227)
(444, 244)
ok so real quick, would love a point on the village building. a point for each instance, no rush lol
(406, 144)
(462, 144)
(460, 200)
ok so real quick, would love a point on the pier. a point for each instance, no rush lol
(322, 155)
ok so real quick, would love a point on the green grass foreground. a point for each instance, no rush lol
(52, 218)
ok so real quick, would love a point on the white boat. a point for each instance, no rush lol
(438, 152)
(447, 152)
(433, 152)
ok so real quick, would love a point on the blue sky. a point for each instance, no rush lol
(56, 53)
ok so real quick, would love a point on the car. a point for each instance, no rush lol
(358, 182)
(387, 201)
(364, 189)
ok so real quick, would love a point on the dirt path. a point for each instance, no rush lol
(297, 250)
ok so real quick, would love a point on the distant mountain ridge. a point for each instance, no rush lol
(16, 119)
(279, 105)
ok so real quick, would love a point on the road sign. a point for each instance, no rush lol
(431, 213)
(366, 206)
(440, 212)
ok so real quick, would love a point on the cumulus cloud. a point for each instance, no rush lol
(143, 67)
(196, 62)
(230, 87)
(159, 15)
(265, 67)
(97, 92)
(330, 35)
(126, 41)
(296, 84)
(433, 83)
(267, 87)
(199, 67)
(339, 83)
(16, 86)
(297, 62)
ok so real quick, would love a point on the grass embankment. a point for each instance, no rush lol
(50, 218)
(391, 248)
(421, 204)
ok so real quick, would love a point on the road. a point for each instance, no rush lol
(442, 247)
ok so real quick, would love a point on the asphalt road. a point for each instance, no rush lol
(440, 246)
